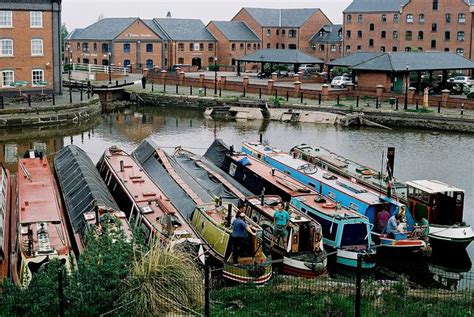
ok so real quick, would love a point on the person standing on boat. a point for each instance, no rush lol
(382, 220)
(392, 225)
(238, 235)
(280, 221)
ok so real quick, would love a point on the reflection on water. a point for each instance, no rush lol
(419, 154)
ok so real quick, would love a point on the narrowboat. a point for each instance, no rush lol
(440, 203)
(303, 254)
(145, 204)
(89, 204)
(41, 228)
(213, 223)
(5, 218)
(344, 193)
(261, 178)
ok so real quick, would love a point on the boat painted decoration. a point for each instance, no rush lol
(213, 225)
(5, 217)
(42, 232)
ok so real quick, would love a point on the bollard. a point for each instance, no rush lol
(357, 101)
(319, 99)
(396, 103)
(81, 95)
(416, 105)
(245, 91)
(439, 106)
(259, 93)
(191, 90)
(287, 95)
(2, 103)
(152, 87)
(301, 97)
(176, 88)
(54, 99)
(29, 101)
(462, 109)
(220, 91)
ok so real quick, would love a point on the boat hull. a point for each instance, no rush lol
(401, 246)
(248, 274)
(296, 267)
(349, 258)
(456, 237)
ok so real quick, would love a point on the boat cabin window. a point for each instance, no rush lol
(332, 195)
(311, 184)
(418, 194)
(353, 206)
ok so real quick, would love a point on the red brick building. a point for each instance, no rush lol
(408, 25)
(30, 45)
(327, 43)
(285, 28)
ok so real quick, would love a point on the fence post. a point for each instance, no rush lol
(205, 91)
(319, 99)
(206, 288)
(81, 94)
(287, 95)
(416, 104)
(152, 87)
(376, 102)
(29, 100)
(116, 83)
(176, 88)
(462, 109)
(358, 286)
(357, 101)
(220, 91)
(259, 93)
(396, 103)
(2, 103)
(439, 106)
(245, 91)
(338, 99)
(54, 100)
(61, 291)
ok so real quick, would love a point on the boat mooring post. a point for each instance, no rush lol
(396, 103)
(176, 88)
(207, 292)
(29, 100)
(301, 97)
(358, 285)
(229, 214)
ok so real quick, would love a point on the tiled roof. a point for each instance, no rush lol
(105, 29)
(281, 56)
(184, 29)
(332, 34)
(236, 31)
(73, 34)
(281, 17)
(152, 25)
(398, 61)
(375, 6)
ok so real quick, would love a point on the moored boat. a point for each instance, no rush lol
(89, 204)
(42, 233)
(213, 225)
(5, 218)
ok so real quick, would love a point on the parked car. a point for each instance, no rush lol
(461, 80)
(266, 74)
(340, 81)
(304, 67)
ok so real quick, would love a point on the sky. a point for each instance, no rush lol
(81, 13)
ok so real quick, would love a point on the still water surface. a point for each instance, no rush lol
(419, 154)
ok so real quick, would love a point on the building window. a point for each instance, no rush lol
(371, 42)
(433, 43)
(254, 46)
(180, 47)
(241, 46)
(36, 19)
(36, 47)
(233, 46)
(37, 76)
(348, 34)
(105, 48)
(78, 46)
(447, 36)
(371, 26)
(292, 46)
(181, 60)
(126, 47)
(435, 4)
(394, 49)
(149, 48)
(166, 46)
(269, 32)
(420, 49)
(191, 47)
(201, 47)
(460, 51)
(359, 34)
(408, 35)
(384, 18)
(407, 49)
(382, 48)
(396, 17)
(383, 34)
(95, 48)
(249, 46)
(8, 77)
(166, 62)
(321, 47)
(282, 46)
(277, 32)
(349, 18)
(448, 17)
(283, 32)
(277, 45)
(460, 36)
(333, 48)
(6, 19)
(434, 27)
(210, 60)
(268, 45)
(395, 34)
(461, 18)
(6, 47)
(446, 49)
(85, 61)
(292, 33)
(313, 47)
(359, 48)
(409, 18)
(149, 63)
(85, 47)
(421, 18)
(210, 47)
(95, 61)
(258, 46)
(420, 35)
(348, 48)
(359, 18)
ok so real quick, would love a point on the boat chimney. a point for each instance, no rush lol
(262, 198)
(390, 163)
(96, 211)
(41, 156)
(261, 137)
(273, 172)
(229, 214)
(121, 166)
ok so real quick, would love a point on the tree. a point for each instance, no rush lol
(64, 33)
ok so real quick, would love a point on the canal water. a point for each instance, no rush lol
(419, 154)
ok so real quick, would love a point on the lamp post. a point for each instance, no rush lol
(405, 107)
(110, 68)
(69, 55)
(215, 75)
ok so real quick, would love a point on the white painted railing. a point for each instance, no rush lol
(93, 68)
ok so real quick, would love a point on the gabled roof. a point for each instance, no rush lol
(184, 29)
(281, 56)
(398, 61)
(236, 31)
(73, 34)
(332, 34)
(152, 25)
(106, 29)
(360, 6)
(281, 17)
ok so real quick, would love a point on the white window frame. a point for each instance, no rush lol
(33, 18)
(7, 18)
(38, 53)
(33, 76)
(1, 47)
(7, 71)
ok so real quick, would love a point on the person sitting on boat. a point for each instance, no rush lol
(238, 235)
(392, 227)
(280, 221)
(382, 220)
(422, 229)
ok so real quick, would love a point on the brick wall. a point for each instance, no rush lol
(186, 56)
(369, 81)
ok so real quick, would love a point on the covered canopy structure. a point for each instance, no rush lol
(279, 56)
(390, 69)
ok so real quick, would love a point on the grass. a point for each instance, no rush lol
(420, 110)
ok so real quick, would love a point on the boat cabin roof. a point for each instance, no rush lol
(433, 186)
(341, 212)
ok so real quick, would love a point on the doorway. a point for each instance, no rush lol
(196, 61)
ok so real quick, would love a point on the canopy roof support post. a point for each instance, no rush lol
(445, 79)
(329, 73)
(238, 68)
(418, 73)
(296, 67)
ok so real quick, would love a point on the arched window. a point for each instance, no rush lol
(409, 18)
(460, 36)
(383, 34)
(421, 18)
(408, 35)
(349, 18)
(396, 17)
(384, 18)
(382, 48)
(371, 42)
(420, 35)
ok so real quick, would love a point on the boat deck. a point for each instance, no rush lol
(341, 212)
